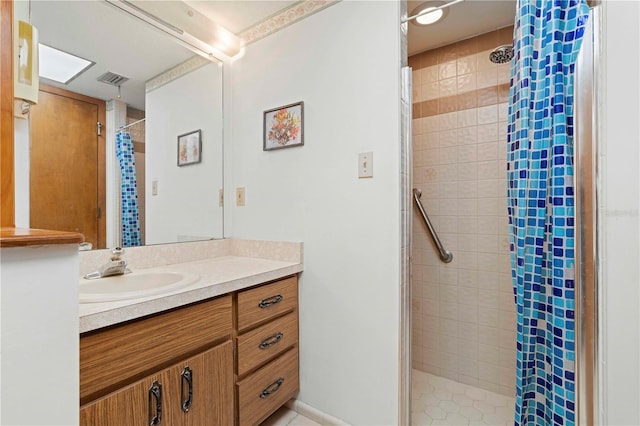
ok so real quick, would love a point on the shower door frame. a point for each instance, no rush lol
(406, 183)
(587, 290)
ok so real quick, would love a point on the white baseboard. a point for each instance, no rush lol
(314, 414)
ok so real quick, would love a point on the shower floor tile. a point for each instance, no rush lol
(440, 401)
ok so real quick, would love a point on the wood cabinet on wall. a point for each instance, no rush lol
(178, 367)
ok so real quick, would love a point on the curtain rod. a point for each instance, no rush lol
(132, 124)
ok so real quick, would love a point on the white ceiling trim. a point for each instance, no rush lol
(283, 19)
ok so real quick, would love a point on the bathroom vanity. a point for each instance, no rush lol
(222, 351)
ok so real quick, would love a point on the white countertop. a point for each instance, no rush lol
(217, 276)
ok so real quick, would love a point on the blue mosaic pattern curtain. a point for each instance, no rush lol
(130, 219)
(547, 38)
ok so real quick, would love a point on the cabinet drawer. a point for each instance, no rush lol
(262, 303)
(265, 342)
(263, 392)
(114, 357)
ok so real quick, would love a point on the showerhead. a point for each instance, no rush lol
(501, 54)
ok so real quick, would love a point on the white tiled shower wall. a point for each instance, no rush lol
(464, 315)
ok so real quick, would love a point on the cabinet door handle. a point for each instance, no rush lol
(265, 303)
(270, 341)
(273, 387)
(155, 392)
(187, 379)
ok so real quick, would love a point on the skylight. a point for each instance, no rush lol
(60, 66)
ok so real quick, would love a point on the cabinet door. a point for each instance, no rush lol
(210, 385)
(128, 406)
(209, 376)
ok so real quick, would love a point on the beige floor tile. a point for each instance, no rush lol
(421, 419)
(471, 413)
(281, 417)
(301, 420)
(441, 401)
(457, 419)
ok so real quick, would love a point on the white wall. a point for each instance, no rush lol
(21, 158)
(618, 208)
(187, 200)
(39, 328)
(344, 63)
(21, 146)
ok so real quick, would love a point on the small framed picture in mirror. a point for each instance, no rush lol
(190, 148)
(284, 127)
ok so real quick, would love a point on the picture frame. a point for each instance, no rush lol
(190, 148)
(283, 127)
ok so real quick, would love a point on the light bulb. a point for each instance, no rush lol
(430, 17)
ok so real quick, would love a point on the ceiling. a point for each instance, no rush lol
(238, 15)
(464, 20)
(140, 52)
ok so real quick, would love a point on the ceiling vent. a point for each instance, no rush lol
(113, 78)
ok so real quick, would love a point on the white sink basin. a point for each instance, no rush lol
(132, 286)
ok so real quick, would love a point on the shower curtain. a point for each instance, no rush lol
(129, 190)
(547, 38)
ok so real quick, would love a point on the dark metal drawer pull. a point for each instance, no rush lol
(273, 387)
(265, 303)
(187, 379)
(155, 392)
(270, 341)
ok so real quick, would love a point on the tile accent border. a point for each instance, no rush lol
(176, 72)
(473, 99)
(283, 19)
(462, 48)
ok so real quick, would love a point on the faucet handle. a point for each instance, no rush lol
(116, 253)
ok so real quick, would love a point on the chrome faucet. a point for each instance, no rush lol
(115, 266)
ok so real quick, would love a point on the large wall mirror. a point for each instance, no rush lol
(172, 105)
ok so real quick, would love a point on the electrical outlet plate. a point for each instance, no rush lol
(220, 198)
(365, 165)
(240, 196)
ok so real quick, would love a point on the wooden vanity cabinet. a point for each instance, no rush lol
(170, 397)
(236, 355)
(143, 372)
(267, 349)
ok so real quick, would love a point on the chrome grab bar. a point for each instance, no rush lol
(445, 255)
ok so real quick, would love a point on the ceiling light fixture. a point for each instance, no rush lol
(430, 12)
(431, 16)
(60, 66)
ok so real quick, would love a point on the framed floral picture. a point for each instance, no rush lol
(284, 127)
(190, 148)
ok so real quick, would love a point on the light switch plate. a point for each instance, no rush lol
(154, 187)
(240, 196)
(365, 165)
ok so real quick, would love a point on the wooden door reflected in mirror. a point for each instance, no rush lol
(67, 164)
